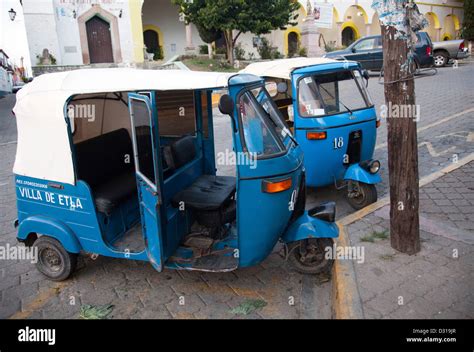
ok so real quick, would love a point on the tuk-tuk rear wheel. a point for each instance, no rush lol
(361, 195)
(54, 261)
(308, 256)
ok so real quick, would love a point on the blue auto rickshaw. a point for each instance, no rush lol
(121, 163)
(333, 120)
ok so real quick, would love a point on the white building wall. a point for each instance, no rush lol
(68, 28)
(41, 29)
(164, 15)
(53, 24)
(68, 35)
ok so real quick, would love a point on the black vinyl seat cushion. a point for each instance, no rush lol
(180, 152)
(207, 193)
(109, 195)
(101, 162)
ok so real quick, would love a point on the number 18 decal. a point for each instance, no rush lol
(338, 142)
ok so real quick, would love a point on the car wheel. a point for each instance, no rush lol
(440, 59)
(417, 68)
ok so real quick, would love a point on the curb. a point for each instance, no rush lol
(346, 300)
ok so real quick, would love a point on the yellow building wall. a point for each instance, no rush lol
(135, 7)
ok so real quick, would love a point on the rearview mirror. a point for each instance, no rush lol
(226, 104)
(365, 74)
(282, 87)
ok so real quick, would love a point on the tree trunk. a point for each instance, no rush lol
(229, 43)
(209, 51)
(402, 145)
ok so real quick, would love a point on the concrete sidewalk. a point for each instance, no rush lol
(438, 282)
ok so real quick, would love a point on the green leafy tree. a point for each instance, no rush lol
(234, 17)
(208, 35)
(468, 22)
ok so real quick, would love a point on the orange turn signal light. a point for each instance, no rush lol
(276, 186)
(316, 135)
(378, 123)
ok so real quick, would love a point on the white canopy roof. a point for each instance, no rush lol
(283, 68)
(43, 149)
(124, 79)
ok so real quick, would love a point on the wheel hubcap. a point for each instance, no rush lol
(310, 254)
(50, 259)
(439, 60)
(358, 195)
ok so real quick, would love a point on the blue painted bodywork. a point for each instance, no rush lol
(68, 213)
(263, 218)
(149, 190)
(324, 163)
(308, 227)
(356, 173)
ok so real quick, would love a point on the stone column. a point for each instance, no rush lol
(339, 34)
(438, 34)
(310, 38)
(189, 49)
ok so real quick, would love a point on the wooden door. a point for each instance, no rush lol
(99, 40)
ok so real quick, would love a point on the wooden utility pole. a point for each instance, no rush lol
(399, 87)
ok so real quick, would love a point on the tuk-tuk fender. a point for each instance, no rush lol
(49, 227)
(357, 173)
(306, 227)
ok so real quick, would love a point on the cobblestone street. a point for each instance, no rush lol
(433, 283)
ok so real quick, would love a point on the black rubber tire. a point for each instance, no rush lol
(369, 196)
(417, 68)
(320, 267)
(442, 57)
(51, 250)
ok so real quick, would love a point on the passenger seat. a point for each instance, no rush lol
(208, 192)
(100, 161)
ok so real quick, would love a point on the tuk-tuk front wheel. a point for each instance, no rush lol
(54, 261)
(360, 195)
(308, 256)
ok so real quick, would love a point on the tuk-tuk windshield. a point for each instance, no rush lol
(264, 130)
(332, 93)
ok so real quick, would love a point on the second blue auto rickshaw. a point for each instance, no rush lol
(333, 118)
(121, 163)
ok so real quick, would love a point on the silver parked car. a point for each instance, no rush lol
(449, 49)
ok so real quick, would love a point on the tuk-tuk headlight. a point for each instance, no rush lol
(372, 166)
